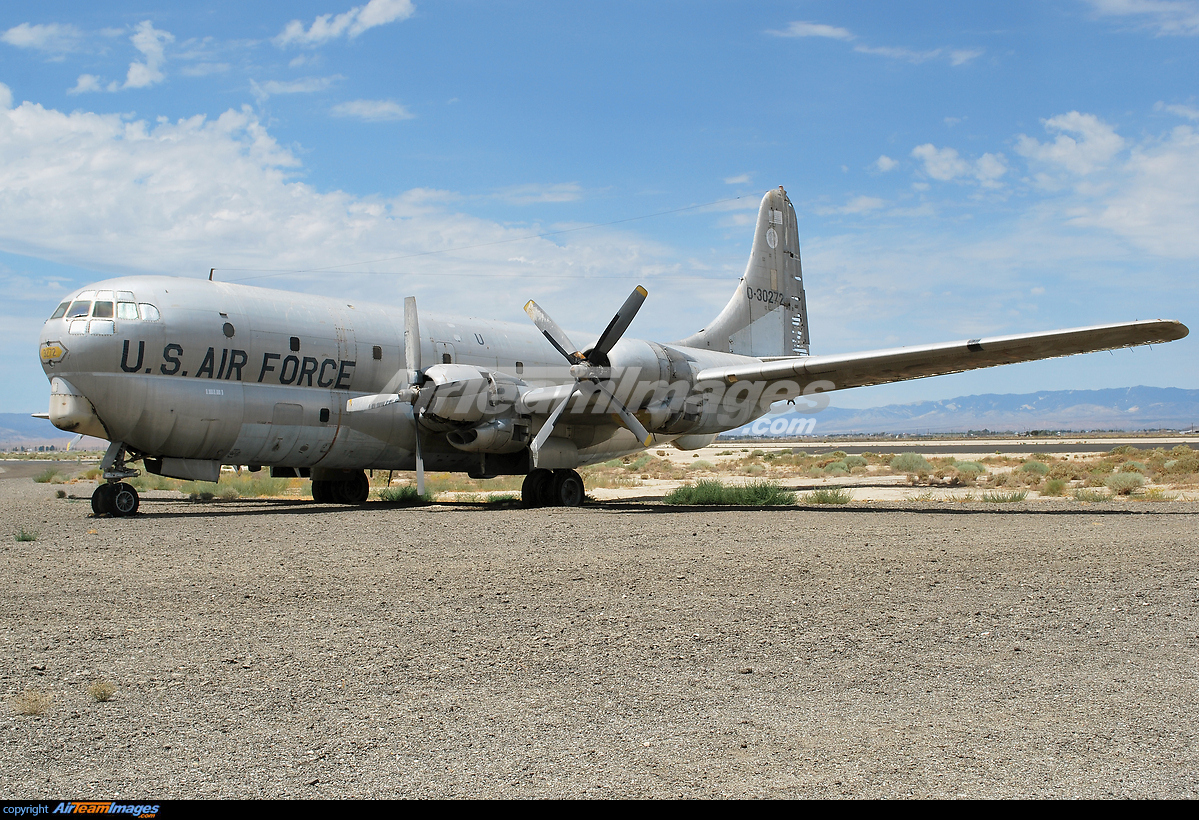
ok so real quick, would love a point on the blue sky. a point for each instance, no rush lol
(958, 169)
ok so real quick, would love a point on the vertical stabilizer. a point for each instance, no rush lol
(768, 315)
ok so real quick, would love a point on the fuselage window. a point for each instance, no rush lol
(149, 312)
(102, 310)
(62, 310)
(520, 368)
(377, 352)
(79, 308)
(126, 310)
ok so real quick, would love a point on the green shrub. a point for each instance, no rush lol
(911, 463)
(1005, 498)
(1038, 467)
(1133, 467)
(1055, 487)
(969, 470)
(403, 495)
(855, 461)
(711, 492)
(836, 468)
(23, 534)
(1124, 483)
(46, 476)
(702, 464)
(1093, 496)
(828, 495)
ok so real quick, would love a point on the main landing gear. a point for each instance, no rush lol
(352, 489)
(114, 497)
(552, 488)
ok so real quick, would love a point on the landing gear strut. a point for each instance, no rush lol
(557, 488)
(114, 497)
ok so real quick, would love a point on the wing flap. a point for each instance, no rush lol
(920, 361)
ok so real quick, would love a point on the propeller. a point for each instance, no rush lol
(591, 365)
(410, 394)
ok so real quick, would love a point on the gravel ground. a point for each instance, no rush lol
(264, 649)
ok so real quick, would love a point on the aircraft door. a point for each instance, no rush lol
(444, 351)
(286, 424)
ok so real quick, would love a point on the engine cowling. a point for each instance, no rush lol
(496, 436)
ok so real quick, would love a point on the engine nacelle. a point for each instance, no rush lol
(463, 393)
(496, 436)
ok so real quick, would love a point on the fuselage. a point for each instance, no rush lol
(194, 369)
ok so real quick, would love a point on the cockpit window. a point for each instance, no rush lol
(61, 311)
(79, 308)
(104, 295)
(102, 310)
(125, 296)
(126, 310)
(149, 312)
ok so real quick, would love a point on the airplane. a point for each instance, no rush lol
(187, 375)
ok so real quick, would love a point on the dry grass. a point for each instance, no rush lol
(32, 702)
(101, 691)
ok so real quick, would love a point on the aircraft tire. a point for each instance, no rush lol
(532, 491)
(102, 500)
(124, 500)
(320, 492)
(568, 489)
(353, 491)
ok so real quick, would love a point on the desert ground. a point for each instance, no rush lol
(884, 648)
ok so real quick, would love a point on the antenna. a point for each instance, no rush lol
(210, 270)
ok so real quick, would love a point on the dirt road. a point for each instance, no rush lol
(268, 649)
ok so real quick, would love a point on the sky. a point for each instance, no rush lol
(958, 170)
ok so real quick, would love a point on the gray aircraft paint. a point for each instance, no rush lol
(243, 375)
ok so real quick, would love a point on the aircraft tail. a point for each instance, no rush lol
(768, 314)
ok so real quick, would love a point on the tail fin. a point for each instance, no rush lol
(768, 314)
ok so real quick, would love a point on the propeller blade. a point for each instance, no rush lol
(548, 427)
(374, 402)
(411, 341)
(549, 328)
(627, 419)
(620, 322)
(420, 459)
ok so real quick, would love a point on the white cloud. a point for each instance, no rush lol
(54, 38)
(150, 42)
(204, 69)
(86, 83)
(884, 163)
(962, 56)
(372, 110)
(534, 193)
(179, 197)
(901, 53)
(940, 163)
(1178, 17)
(946, 164)
(862, 204)
(351, 23)
(304, 85)
(805, 29)
(1153, 199)
(740, 179)
(5, 97)
(1092, 147)
(1190, 112)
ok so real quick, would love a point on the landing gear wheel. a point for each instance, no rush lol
(321, 493)
(102, 500)
(354, 490)
(533, 490)
(568, 489)
(124, 500)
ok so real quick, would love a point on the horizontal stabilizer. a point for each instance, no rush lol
(917, 362)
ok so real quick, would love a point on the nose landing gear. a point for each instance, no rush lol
(556, 488)
(115, 497)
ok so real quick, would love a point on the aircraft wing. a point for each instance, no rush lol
(916, 362)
